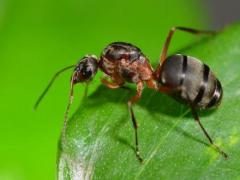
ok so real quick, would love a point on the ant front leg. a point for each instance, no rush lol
(132, 100)
(111, 85)
(195, 116)
(114, 85)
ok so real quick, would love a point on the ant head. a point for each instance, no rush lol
(85, 69)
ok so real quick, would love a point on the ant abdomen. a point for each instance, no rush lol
(195, 83)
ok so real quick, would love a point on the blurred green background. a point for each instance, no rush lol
(37, 38)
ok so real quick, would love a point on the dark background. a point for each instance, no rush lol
(222, 12)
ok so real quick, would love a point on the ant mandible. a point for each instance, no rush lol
(184, 78)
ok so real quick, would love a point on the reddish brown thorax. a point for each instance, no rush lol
(125, 62)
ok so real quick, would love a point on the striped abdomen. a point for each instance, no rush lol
(199, 86)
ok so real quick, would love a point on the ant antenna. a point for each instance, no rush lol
(68, 108)
(50, 84)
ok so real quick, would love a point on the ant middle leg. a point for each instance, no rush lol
(132, 100)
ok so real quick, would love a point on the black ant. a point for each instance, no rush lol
(184, 78)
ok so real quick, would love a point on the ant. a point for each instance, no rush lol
(184, 78)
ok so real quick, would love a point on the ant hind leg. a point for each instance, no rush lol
(195, 116)
(169, 38)
(184, 29)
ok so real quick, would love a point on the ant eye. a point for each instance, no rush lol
(87, 73)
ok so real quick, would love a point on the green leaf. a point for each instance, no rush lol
(100, 137)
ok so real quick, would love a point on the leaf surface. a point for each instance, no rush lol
(100, 136)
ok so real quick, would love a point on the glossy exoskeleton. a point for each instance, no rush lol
(185, 78)
(197, 84)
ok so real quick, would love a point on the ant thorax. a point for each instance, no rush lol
(125, 62)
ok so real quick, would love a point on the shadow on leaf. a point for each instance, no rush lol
(154, 102)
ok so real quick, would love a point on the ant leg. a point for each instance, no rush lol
(114, 85)
(170, 35)
(195, 116)
(111, 85)
(152, 84)
(132, 100)
(163, 89)
(169, 89)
